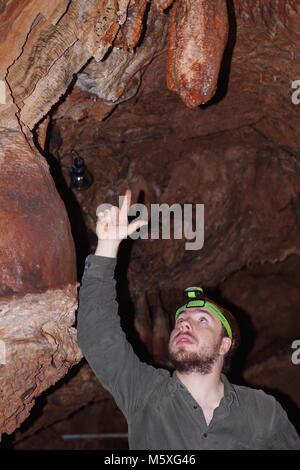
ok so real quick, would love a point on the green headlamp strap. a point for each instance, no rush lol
(210, 307)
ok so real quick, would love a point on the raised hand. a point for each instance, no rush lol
(112, 227)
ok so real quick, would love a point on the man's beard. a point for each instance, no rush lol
(200, 361)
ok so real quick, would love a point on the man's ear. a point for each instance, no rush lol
(225, 345)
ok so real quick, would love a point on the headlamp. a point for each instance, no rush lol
(196, 298)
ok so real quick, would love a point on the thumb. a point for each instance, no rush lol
(135, 225)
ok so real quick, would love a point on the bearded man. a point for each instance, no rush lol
(195, 406)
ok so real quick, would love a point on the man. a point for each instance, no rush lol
(196, 407)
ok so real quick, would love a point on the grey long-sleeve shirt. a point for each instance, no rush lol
(160, 411)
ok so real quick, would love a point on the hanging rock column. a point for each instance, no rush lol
(38, 296)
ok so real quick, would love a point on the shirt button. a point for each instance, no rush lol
(205, 434)
(195, 407)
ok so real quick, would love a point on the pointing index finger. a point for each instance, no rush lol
(125, 206)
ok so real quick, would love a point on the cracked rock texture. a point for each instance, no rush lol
(40, 346)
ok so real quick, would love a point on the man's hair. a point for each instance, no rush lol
(235, 335)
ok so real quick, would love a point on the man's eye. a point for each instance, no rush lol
(201, 319)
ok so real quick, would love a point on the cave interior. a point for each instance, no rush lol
(182, 102)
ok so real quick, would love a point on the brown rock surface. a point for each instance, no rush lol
(119, 76)
(78, 389)
(69, 35)
(198, 32)
(268, 297)
(130, 31)
(83, 431)
(162, 5)
(36, 246)
(280, 377)
(40, 346)
(36, 256)
(268, 53)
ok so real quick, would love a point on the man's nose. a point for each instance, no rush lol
(184, 325)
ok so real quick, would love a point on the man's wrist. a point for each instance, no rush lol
(107, 248)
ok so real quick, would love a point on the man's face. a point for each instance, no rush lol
(195, 342)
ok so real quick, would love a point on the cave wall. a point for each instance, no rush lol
(37, 280)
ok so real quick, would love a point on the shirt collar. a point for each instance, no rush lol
(230, 394)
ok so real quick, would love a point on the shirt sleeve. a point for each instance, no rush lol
(284, 435)
(103, 342)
